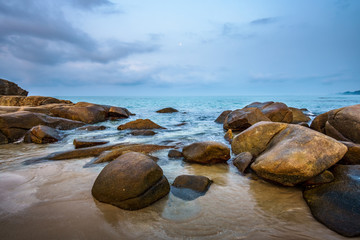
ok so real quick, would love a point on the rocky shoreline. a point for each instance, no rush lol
(268, 139)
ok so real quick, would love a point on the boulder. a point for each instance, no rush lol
(242, 161)
(10, 88)
(84, 143)
(175, 154)
(352, 156)
(131, 182)
(275, 111)
(15, 125)
(167, 110)
(140, 124)
(324, 177)
(342, 124)
(221, 118)
(193, 182)
(337, 204)
(206, 152)
(92, 128)
(143, 133)
(286, 153)
(30, 101)
(118, 112)
(299, 116)
(141, 148)
(241, 119)
(42, 134)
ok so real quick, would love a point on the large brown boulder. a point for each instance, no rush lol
(118, 112)
(342, 124)
(140, 124)
(221, 118)
(337, 204)
(10, 88)
(167, 110)
(15, 125)
(131, 182)
(42, 134)
(275, 111)
(286, 153)
(206, 152)
(241, 119)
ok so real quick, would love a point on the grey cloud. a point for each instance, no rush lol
(90, 4)
(263, 21)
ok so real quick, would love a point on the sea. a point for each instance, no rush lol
(52, 199)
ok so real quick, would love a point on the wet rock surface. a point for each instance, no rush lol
(87, 143)
(242, 119)
(242, 161)
(206, 152)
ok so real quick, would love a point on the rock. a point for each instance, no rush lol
(275, 111)
(167, 110)
(206, 152)
(229, 136)
(180, 124)
(118, 112)
(324, 177)
(3, 138)
(10, 88)
(92, 128)
(143, 133)
(337, 204)
(299, 116)
(352, 156)
(141, 148)
(15, 125)
(175, 154)
(242, 161)
(194, 182)
(221, 118)
(140, 124)
(30, 101)
(84, 143)
(241, 119)
(286, 153)
(42, 134)
(131, 182)
(342, 124)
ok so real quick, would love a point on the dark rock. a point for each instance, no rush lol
(92, 128)
(140, 124)
(324, 177)
(84, 143)
(229, 136)
(241, 119)
(141, 148)
(143, 133)
(10, 88)
(206, 152)
(15, 125)
(175, 154)
(131, 182)
(196, 183)
(3, 138)
(242, 161)
(221, 118)
(167, 110)
(180, 124)
(287, 153)
(42, 134)
(337, 204)
(352, 156)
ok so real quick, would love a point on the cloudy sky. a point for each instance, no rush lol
(162, 47)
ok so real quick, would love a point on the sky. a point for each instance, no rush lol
(180, 48)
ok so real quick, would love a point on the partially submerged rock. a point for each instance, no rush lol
(175, 154)
(140, 124)
(193, 182)
(241, 119)
(86, 143)
(342, 124)
(337, 204)
(118, 112)
(42, 134)
(288, 154)
(221, 118)
(242, 161)
(15, 125)
(206, 152)
(131, 182)
(143, 133)
(10, 88)
(167, 110)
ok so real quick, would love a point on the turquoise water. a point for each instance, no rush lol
(52, 199)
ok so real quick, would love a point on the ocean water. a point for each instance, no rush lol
(52, 199)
